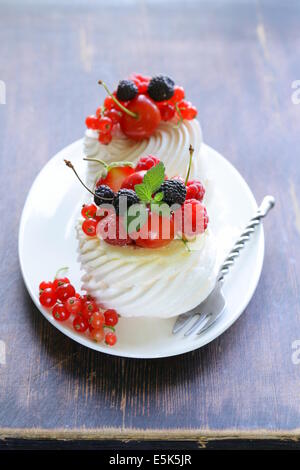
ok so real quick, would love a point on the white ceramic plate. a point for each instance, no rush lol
(47, 241)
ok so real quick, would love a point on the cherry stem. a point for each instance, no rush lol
(70, 165)
(111, 165)
(98, 161)
(127, 111)
(65, 268)
(191, 150)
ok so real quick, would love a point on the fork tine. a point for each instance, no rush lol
(200, 323)
(181, 322)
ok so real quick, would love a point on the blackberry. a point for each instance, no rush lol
(161, 88)
(128, 196)
(103, 195)
(174, 192)
(127, 90)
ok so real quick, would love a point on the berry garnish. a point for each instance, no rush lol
(147, 162)
(174, 192)
(110, 339)
(47, 297)
(195, 190)
(132, 180)
(88, 308)
(157, 232)
(127, 90)
(105, 139)
(167, 111)
(109, 103)
(113, 232)
(45, 284)
(187, 110)
(64, 291)
(111, 317)
(141, 81)
(105, 125)
(161, 88)
(88, 211)
(89, 226)
(97, 320)
(147, 117)
(103, 195)
(114, 174)
(97, 335)
(178, 94)
(124, 199)
(80, 324)
(92, 122)
(73, 305)
(60, 313)
(114, 115)
(59, 281)
(194, 218)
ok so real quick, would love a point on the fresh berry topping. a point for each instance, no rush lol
(113, 232)
(48, 297)
(178, 94)
(99, 112)
(195, 190)
(145, 163)
(73, 305)
(114, 115)
(88, 211)
(64, 291)
(161, 88)
(89, 308)
(45, 285)
(80, 324)
(167, 111)
(127, 90)
(124, 199)
(157, 232)
(132, 180)
(146, 120)
(97, 335)
(59, 281)
(111, 317)
(87, 298)
(187, 110)
(60, 313)
(105, 125)
(89, 226)
(110, 339)
(105, 139)
(194, 218)
(109, 103)
(115, 177)
(92, 122)
(174, 192)
(141, 81)
(103, 195)
(97, 320)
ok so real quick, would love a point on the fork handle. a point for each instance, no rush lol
(266, 205)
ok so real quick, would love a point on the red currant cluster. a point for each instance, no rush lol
(138, 105)
(67, 304)
(191, 217)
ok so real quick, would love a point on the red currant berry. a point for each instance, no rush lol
(110, 339)
(89, 308)
(73, 305)
(89, 227)
(111, 317)
(105, 125)
(87, 298)
(92, 122)
(105, 139)
(187, 110)
(88, 211)
(167, 112)
(114, 115)
(109, 103)
(195, 190)
(80, 324)
(99, 112)
(178, 94)
(65, 291)
(60, 313)
(97, 335)
(59, 281)
(97, 320)
(145, 163)
(48, 297)
(45, 285)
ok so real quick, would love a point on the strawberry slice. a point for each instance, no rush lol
(115, 177)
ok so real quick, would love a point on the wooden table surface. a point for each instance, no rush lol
(238, 60)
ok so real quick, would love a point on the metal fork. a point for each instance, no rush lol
(212, 307)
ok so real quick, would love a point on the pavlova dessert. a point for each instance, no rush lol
(144, 241)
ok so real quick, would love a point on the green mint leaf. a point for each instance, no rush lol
(154, 177)
(136, 217)
(143, 191)
(158, 197)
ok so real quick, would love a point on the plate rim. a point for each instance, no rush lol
(82, 340)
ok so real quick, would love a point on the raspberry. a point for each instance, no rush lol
(103, 195)
(129, 198)
(161, 88)
(145, 163)
(174, 192)
(112, 230)
(194, 218)
(127, 90)
(195, 190)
